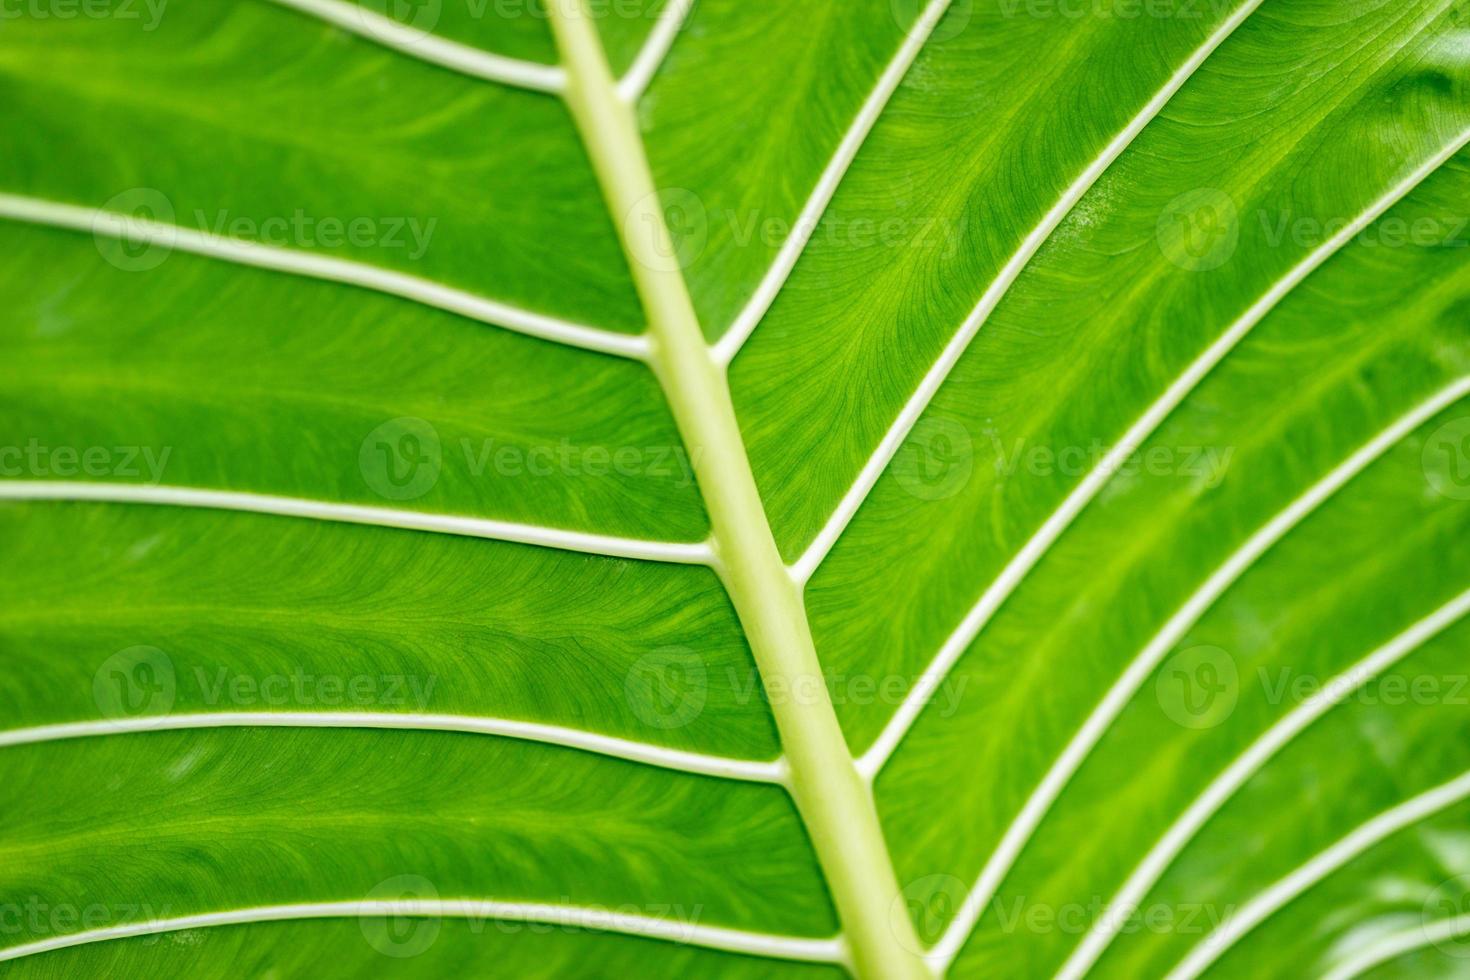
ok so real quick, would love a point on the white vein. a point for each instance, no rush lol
(893, 439)
(671, 929)
(697, 763)
(1262, 906)
(805, 226)
(430, 47)
(1142, 666)
(473, 527)
(1035, 547)
(1246, 765)
(632, 85)
(131, 228)
(1397, 944)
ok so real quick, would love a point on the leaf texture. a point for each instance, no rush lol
(734, 489)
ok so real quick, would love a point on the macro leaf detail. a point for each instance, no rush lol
(889, 488)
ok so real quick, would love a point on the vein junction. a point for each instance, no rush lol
(833, 799)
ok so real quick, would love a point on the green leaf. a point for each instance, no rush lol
(632, 487)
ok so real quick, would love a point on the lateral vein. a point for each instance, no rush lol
(256, 503)
(651, 56)
(112, 225)
(806, 222)
(1271, 900)
(1399, 944)
(1059, 520)
(427, 46)
(696, 763)
(1077, 750)
(683, 933)
(1239, 772)
(806, 566)
(831, 799)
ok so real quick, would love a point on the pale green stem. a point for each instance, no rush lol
(834, 801)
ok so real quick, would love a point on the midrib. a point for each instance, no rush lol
(834, 802)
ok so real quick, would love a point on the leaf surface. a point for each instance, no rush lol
(970, 489)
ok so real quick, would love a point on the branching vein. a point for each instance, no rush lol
(1037, 805)
(475, 910)
(427, 46)
(1045, 536)
(256, 503)
(811, 213)
(847, 508)
(574, 738)
(1238, 773)
(141, 230)
(832, 800)
(1400, 944)
(655, 50)
(1273, 899)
